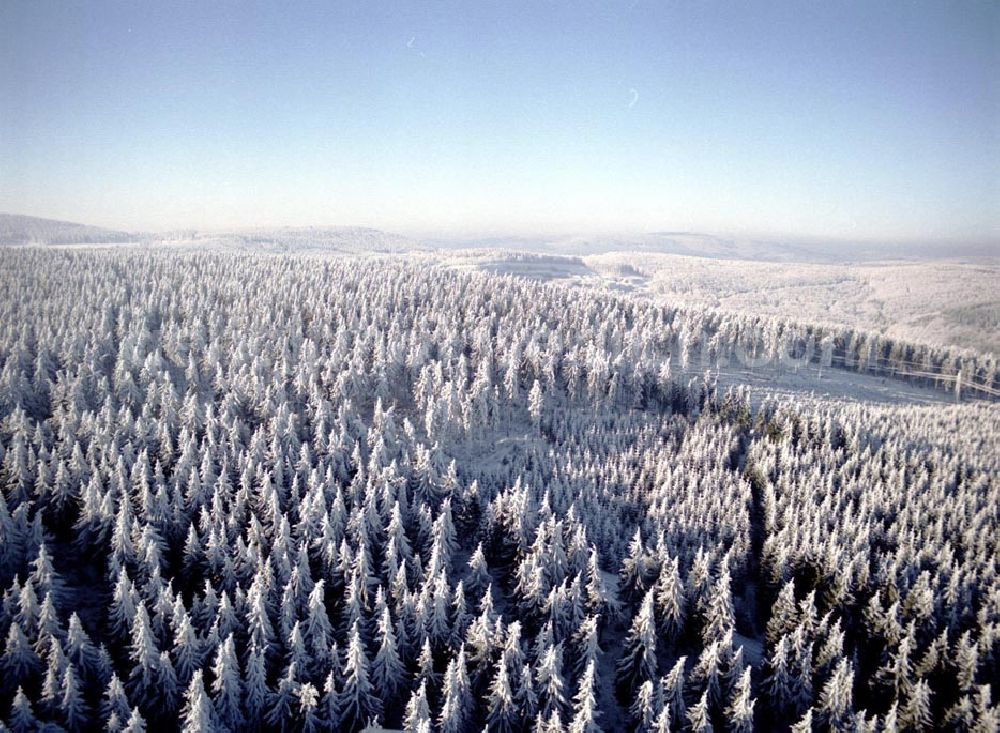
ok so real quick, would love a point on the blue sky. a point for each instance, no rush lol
(866, 120)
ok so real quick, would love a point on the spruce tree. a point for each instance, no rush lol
(227, 686)
(22, 717)
(501, 713)
(638, 662)
(73, 707)
(698, 717)
(739, 714)
(417, 710)
(358, 700)
(585, 712)
(387, 668)
(197, 715)
(835, 700)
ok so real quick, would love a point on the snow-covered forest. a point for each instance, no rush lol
(254, 492)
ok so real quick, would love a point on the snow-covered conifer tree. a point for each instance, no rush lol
(227, 685)
(638, 662)
(358, 700)
(197, 716)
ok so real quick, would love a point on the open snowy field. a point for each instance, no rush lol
(951, 303)
(935, 301)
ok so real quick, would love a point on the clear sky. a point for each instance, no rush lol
(864, 119)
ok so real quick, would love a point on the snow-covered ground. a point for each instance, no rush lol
(941, 302)
(950, 303)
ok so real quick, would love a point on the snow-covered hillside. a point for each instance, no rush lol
(297, 240)
(24, 230)
(718, 247)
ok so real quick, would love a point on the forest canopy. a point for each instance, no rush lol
(249, 492)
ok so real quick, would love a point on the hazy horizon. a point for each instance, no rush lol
(840, 122)
(479, 237)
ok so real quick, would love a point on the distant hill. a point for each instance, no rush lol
(297, 239)
(697, 244)
(19, 230)
(25, 230)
